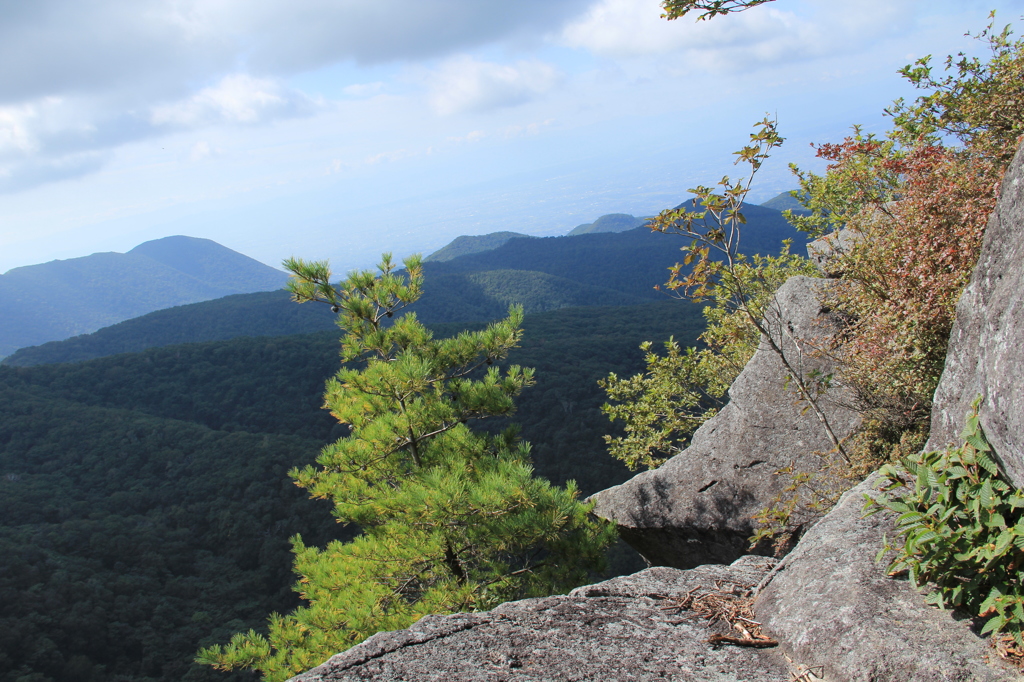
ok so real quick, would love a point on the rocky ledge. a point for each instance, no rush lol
(834, 609)
(628, 628)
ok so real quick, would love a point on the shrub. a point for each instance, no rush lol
(962, 530)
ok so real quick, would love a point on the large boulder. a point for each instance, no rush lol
(986, 347)
(833, 609)
(697, 507)
(624, 629)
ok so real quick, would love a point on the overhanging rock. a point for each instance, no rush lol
(697, 507)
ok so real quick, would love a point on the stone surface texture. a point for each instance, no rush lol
(697, 507)
(830, 604)
(826, 250)
(986, 346)
(612, 631)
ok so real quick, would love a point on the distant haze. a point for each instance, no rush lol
(341, 130)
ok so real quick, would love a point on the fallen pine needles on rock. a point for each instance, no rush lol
(728, 603)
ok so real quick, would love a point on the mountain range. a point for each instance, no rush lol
(492, 271)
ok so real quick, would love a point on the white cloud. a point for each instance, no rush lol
(50, 47)
(56, 138)
(49, 124)
(393, 155)
(16, 137)
(306, 33)
(768, 35)
(464, 84)
(202, 150)
(471, 136)
(238, 98)
(527, 130)
(87, 76)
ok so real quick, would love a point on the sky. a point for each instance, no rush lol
(340, 129)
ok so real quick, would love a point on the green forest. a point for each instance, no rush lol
(146, 504)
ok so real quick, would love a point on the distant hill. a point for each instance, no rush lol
(64, 298)
(464, 245)
(597, 269)
(613, 222)
(786, 202)
(631, 262)
(268, 313)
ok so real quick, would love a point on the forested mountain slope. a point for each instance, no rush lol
(460, 246)
(145, 501)
(631, 262)
(269, 313)
(449, 297)
(613, 222)
(63, 298)
(786, 202)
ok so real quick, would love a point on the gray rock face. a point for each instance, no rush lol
(986, 346)
(606, 632)
(828, 249)
(697, 507)
(829, 604)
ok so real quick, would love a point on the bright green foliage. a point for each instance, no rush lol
(981, 104)
(962, 526)
(451, 520)
(714, 267)
(675, 9)
(662, 407)
(682, 389)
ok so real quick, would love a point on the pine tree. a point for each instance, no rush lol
(451, 519)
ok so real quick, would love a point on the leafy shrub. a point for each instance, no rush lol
(981, 104)
(663, 407)
(962, 526)
(917, 208)
(918, 240)
(682, 389)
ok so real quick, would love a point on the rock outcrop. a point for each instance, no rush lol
(697, 507)
(826, 251)
(617, 630)
(986, 346)
(833, 609)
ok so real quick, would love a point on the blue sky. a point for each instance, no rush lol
(342, 128)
